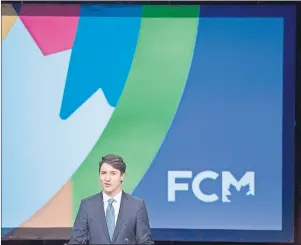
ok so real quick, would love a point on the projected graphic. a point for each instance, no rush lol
(198, 100)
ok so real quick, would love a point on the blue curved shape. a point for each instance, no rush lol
(102, 54)
(229, 118)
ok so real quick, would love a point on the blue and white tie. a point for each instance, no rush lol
(110, 218)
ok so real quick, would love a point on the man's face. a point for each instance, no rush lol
(110, 179)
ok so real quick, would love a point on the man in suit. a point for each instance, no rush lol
(111, 216)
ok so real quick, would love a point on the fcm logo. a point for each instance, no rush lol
(227, 180)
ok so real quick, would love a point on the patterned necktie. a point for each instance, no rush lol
(110, 218)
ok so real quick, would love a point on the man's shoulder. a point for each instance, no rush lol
(133, 199)
(93, 198)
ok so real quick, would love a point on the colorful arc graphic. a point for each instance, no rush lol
(160, 86)
(155, 71)
(159, 70)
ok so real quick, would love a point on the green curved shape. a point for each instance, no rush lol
(149, 100)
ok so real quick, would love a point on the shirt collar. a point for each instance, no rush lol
(117, 198)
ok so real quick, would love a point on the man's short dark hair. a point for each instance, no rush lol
(115, 161)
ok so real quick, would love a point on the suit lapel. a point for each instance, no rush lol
(103, 218)
(122, 212)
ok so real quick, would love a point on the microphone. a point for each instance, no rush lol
(78, 233)
(127, 240)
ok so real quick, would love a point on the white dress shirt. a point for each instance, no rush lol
(116, 203)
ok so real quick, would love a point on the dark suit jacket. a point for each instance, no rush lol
(132, 224)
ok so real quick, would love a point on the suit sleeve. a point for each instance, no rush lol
(80, 228)
(143, 232)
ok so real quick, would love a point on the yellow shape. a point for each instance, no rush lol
(8, 17)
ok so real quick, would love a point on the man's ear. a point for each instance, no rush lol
(122, 177)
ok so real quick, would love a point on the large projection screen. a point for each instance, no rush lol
(197, 99)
